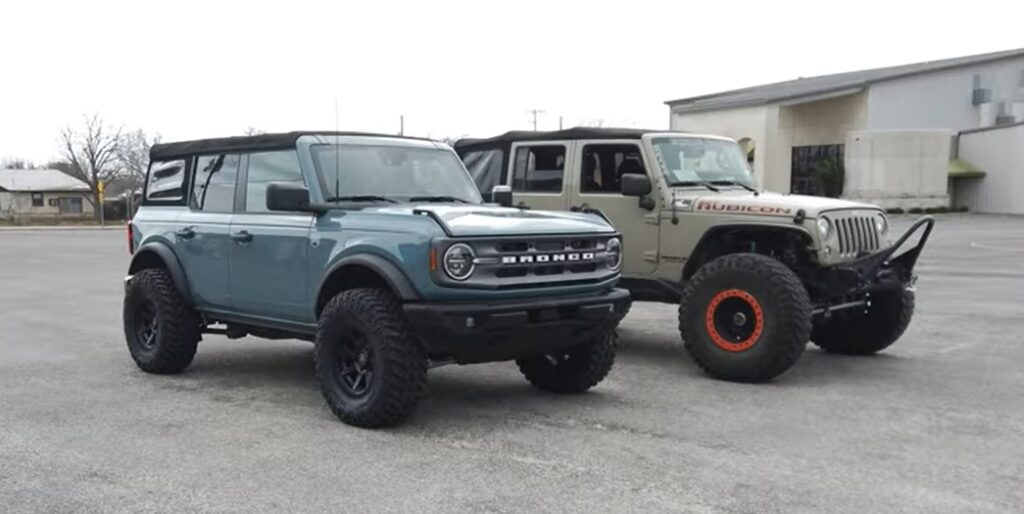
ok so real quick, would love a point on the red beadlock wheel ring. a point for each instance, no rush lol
(716, 337)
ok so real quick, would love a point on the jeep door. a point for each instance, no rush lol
(201, 234)
(269, 251)
(537, 174)
(597, 168)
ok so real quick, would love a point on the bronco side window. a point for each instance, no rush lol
(165, 180)
(603, 166)
(266, 167)
(213, 189)
(539, 169)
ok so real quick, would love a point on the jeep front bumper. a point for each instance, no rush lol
(494, 331)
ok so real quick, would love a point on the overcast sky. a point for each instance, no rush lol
(204, 69)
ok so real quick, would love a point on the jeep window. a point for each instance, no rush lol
(690, 161)
(166, 180)
(395, 173)
(266, 167)
(539, 169)
(604, 164)
(485, 166)
(213, 187)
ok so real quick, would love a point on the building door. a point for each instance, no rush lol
(817, 170)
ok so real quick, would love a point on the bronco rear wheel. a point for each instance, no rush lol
(745, 318)
(162, 331)
(870, 330)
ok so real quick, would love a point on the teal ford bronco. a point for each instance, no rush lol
(376, 248)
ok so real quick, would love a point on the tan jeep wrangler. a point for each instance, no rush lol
(756, 274)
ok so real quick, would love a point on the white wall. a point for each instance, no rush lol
(821, 122)
(942, 99)
(999, 153)
(20, 204)
(905, 168)
(748, 122)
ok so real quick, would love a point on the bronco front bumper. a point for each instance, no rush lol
(494, 331)
(877, 271)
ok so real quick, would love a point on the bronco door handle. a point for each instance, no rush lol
(186, 233)
(242, 237)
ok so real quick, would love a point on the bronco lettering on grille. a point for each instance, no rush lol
(543, 258)
(764, 210)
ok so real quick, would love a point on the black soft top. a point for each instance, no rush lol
(554, 135)
(277, 141)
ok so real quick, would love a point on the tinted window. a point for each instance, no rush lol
(539, 168)
(604, 165)
(485, 168)
(213, 189)
(266, 167)
(166, 180)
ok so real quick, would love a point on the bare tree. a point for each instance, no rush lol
(15, 163)
(91, 151)
(253, 131)
(132, 154)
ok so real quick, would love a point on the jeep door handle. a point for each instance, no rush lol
(242, 237)
(186, 233)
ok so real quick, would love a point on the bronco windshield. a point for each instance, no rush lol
(387, 173)
(690, 161)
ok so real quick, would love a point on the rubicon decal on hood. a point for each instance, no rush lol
(726, 206)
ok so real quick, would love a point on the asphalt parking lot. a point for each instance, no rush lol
(935, 424)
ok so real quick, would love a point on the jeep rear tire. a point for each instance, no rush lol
(868, 331)
(573, 370)
(162, 331)
(372, 371)
(745, 318)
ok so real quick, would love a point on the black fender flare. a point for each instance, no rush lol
(143, 259)
(391, 274)
(691, 264)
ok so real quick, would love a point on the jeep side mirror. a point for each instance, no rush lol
(287, 197)
(635, 184)
(502, 195)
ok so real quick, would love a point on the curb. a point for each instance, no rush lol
(50, 228)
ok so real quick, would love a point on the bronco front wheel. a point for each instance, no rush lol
(745, 318)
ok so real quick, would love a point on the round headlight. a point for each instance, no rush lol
(614, 251)
(881, 224)
(458, 261)
(824, 227)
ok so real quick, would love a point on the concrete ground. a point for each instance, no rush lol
(935, 424)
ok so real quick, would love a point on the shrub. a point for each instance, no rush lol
(894, 210)
(916, 210)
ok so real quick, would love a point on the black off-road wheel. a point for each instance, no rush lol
(372, 371)
(745, 318)
(867, 331)
(161, 329)
(575, 369)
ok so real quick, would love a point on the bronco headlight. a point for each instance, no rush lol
(881, 224)
(614, 251)
(824, 227)
(458, 261)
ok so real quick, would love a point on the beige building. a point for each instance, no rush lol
(42, 194)
(884, 135)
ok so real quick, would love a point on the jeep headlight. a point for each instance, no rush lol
(614, 252)
(824, 227)
(881, 224)
(458, 261)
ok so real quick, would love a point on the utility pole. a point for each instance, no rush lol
(401, 124)
(535, 112)
(559, 123)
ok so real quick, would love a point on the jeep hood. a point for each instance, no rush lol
(485, 220)
(771, 204)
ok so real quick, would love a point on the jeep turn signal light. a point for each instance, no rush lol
(433, 260)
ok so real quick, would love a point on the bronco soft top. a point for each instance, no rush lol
(245, 143)
(554, 135)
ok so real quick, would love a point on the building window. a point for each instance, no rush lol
(37, 199)
(817, 170)
(539, 169)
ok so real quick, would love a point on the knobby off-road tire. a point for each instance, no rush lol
(575, 369)
(161, 329)
(869, 331)
(372, 371)
(745, 318)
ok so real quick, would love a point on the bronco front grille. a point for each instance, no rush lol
(856, 235)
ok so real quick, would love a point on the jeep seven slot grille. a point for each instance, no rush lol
(856, 235)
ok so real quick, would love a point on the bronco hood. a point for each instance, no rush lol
(485, 220)
(770, 204)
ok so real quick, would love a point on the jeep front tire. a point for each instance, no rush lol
(745, 318)
(371, 370)
(573, 370)
(161, 329)
(870, 330)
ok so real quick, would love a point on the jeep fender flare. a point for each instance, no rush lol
(692, 264)
(391, 273)
(144, 259)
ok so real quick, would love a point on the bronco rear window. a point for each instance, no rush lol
(166, 181)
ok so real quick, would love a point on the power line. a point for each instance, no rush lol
(535, 112)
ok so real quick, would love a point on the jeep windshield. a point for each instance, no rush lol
(690, 161)
(369, 174)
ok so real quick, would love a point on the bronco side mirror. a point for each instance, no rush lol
(635, 184)
(502, 195)
(289, 197)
